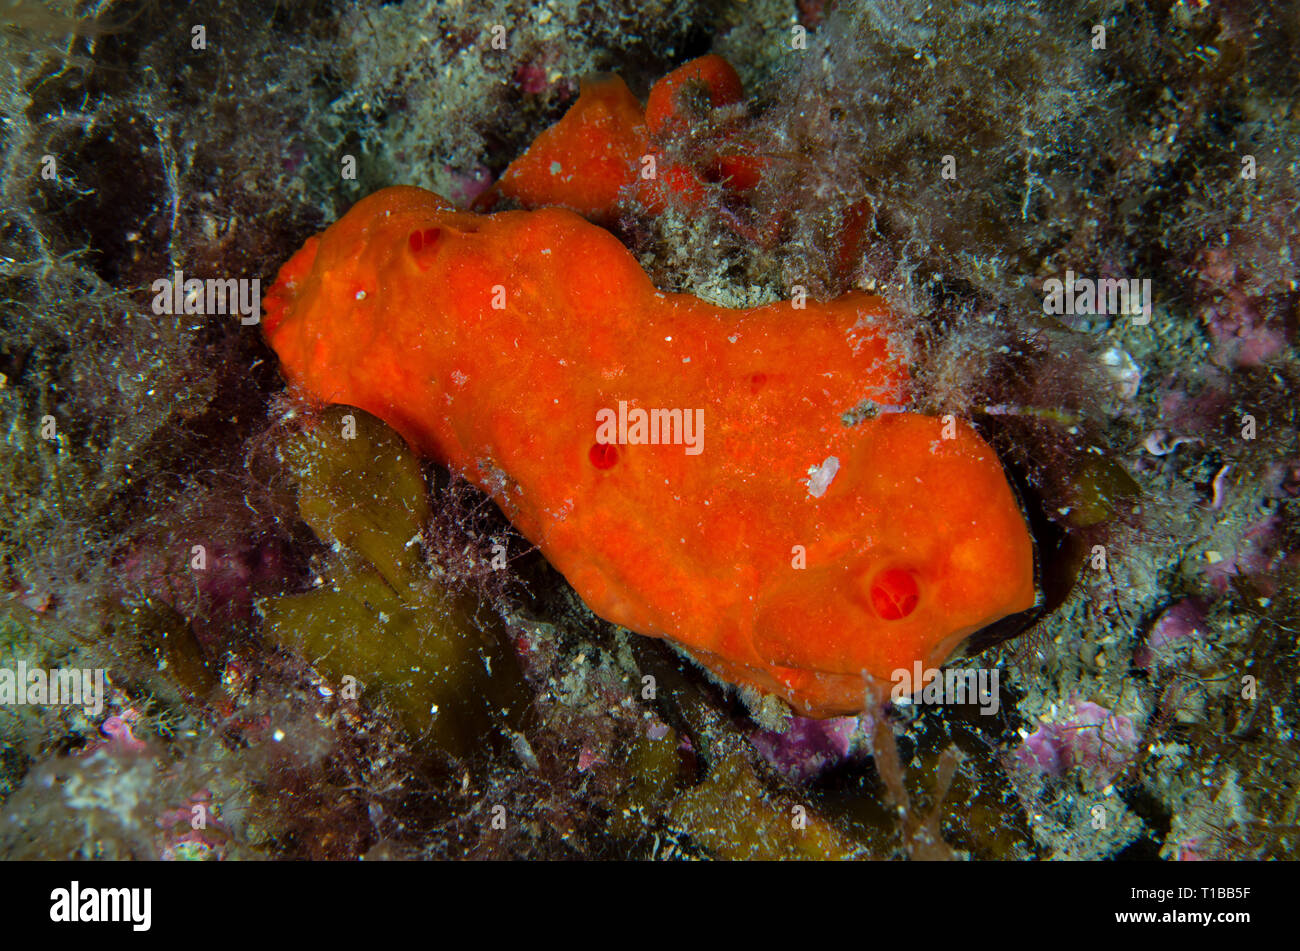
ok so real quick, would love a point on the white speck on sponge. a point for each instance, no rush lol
(820, 477)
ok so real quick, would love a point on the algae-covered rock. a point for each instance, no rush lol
(1096, 491)
(733, 816)
(165, 642)
(434, 657)
(654, 767)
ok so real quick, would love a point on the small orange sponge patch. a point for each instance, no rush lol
(583, 161)
(604, 146)
(742, 482)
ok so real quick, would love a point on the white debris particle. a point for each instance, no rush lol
(820, 477)
(1123, 371)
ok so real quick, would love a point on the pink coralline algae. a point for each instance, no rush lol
(119, 738)
(532, 79)
(1190, 850)
(1256, 555)
(1191, 409)
(192, 832)
(1094, 739)
(588, 757)
(1180, 622)
(217, 596)
(807, 746)
(1241, 335)
(468, 184)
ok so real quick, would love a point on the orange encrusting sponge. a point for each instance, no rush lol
(584, 160)
(604, 144)
(789, 548)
